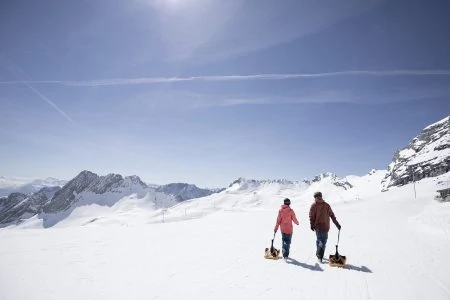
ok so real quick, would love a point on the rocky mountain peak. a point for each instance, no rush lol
(427, 155)
(19, 206)
(321, 176)
(341, 182)
(90, 182)
(136, 180)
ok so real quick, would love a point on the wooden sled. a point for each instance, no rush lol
(337, 261)
(274, 254)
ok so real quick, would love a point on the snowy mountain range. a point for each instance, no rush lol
(53, 204)
(89, 196)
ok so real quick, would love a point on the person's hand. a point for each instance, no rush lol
(274, 232)
(312, 228)
(338, 226)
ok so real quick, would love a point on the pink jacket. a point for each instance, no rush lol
(285, 218)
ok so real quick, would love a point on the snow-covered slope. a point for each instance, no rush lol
(251, 195)
(427, 155)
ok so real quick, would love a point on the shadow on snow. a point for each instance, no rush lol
(359, 269)
(317, 267)
(295, 262)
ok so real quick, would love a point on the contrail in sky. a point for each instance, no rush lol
(10, 66)
(48, 101)
(224, 78)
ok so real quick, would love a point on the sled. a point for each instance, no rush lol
(337, 260)
(272, 252)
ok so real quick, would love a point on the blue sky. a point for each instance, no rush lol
(206, 91)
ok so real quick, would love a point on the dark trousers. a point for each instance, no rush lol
(321, 243)
(286, 240)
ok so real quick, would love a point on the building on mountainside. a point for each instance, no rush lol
(444, 195)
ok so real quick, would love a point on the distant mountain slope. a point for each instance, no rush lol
(184, 191)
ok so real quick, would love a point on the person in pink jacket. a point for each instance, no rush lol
(284, 220)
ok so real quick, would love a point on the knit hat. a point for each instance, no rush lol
(287, 201)
(317, 194)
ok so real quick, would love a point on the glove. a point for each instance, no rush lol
(312, 228)
(338, 226)
(274, 232)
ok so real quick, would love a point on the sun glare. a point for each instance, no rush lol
(177, 3)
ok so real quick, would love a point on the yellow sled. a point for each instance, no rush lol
(337, 260)
(272, 254)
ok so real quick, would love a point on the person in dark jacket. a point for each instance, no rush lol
(319, 217)
(286, 216)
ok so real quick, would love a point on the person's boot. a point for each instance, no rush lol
(321, 253)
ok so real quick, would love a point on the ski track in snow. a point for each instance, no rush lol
(212, 248)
